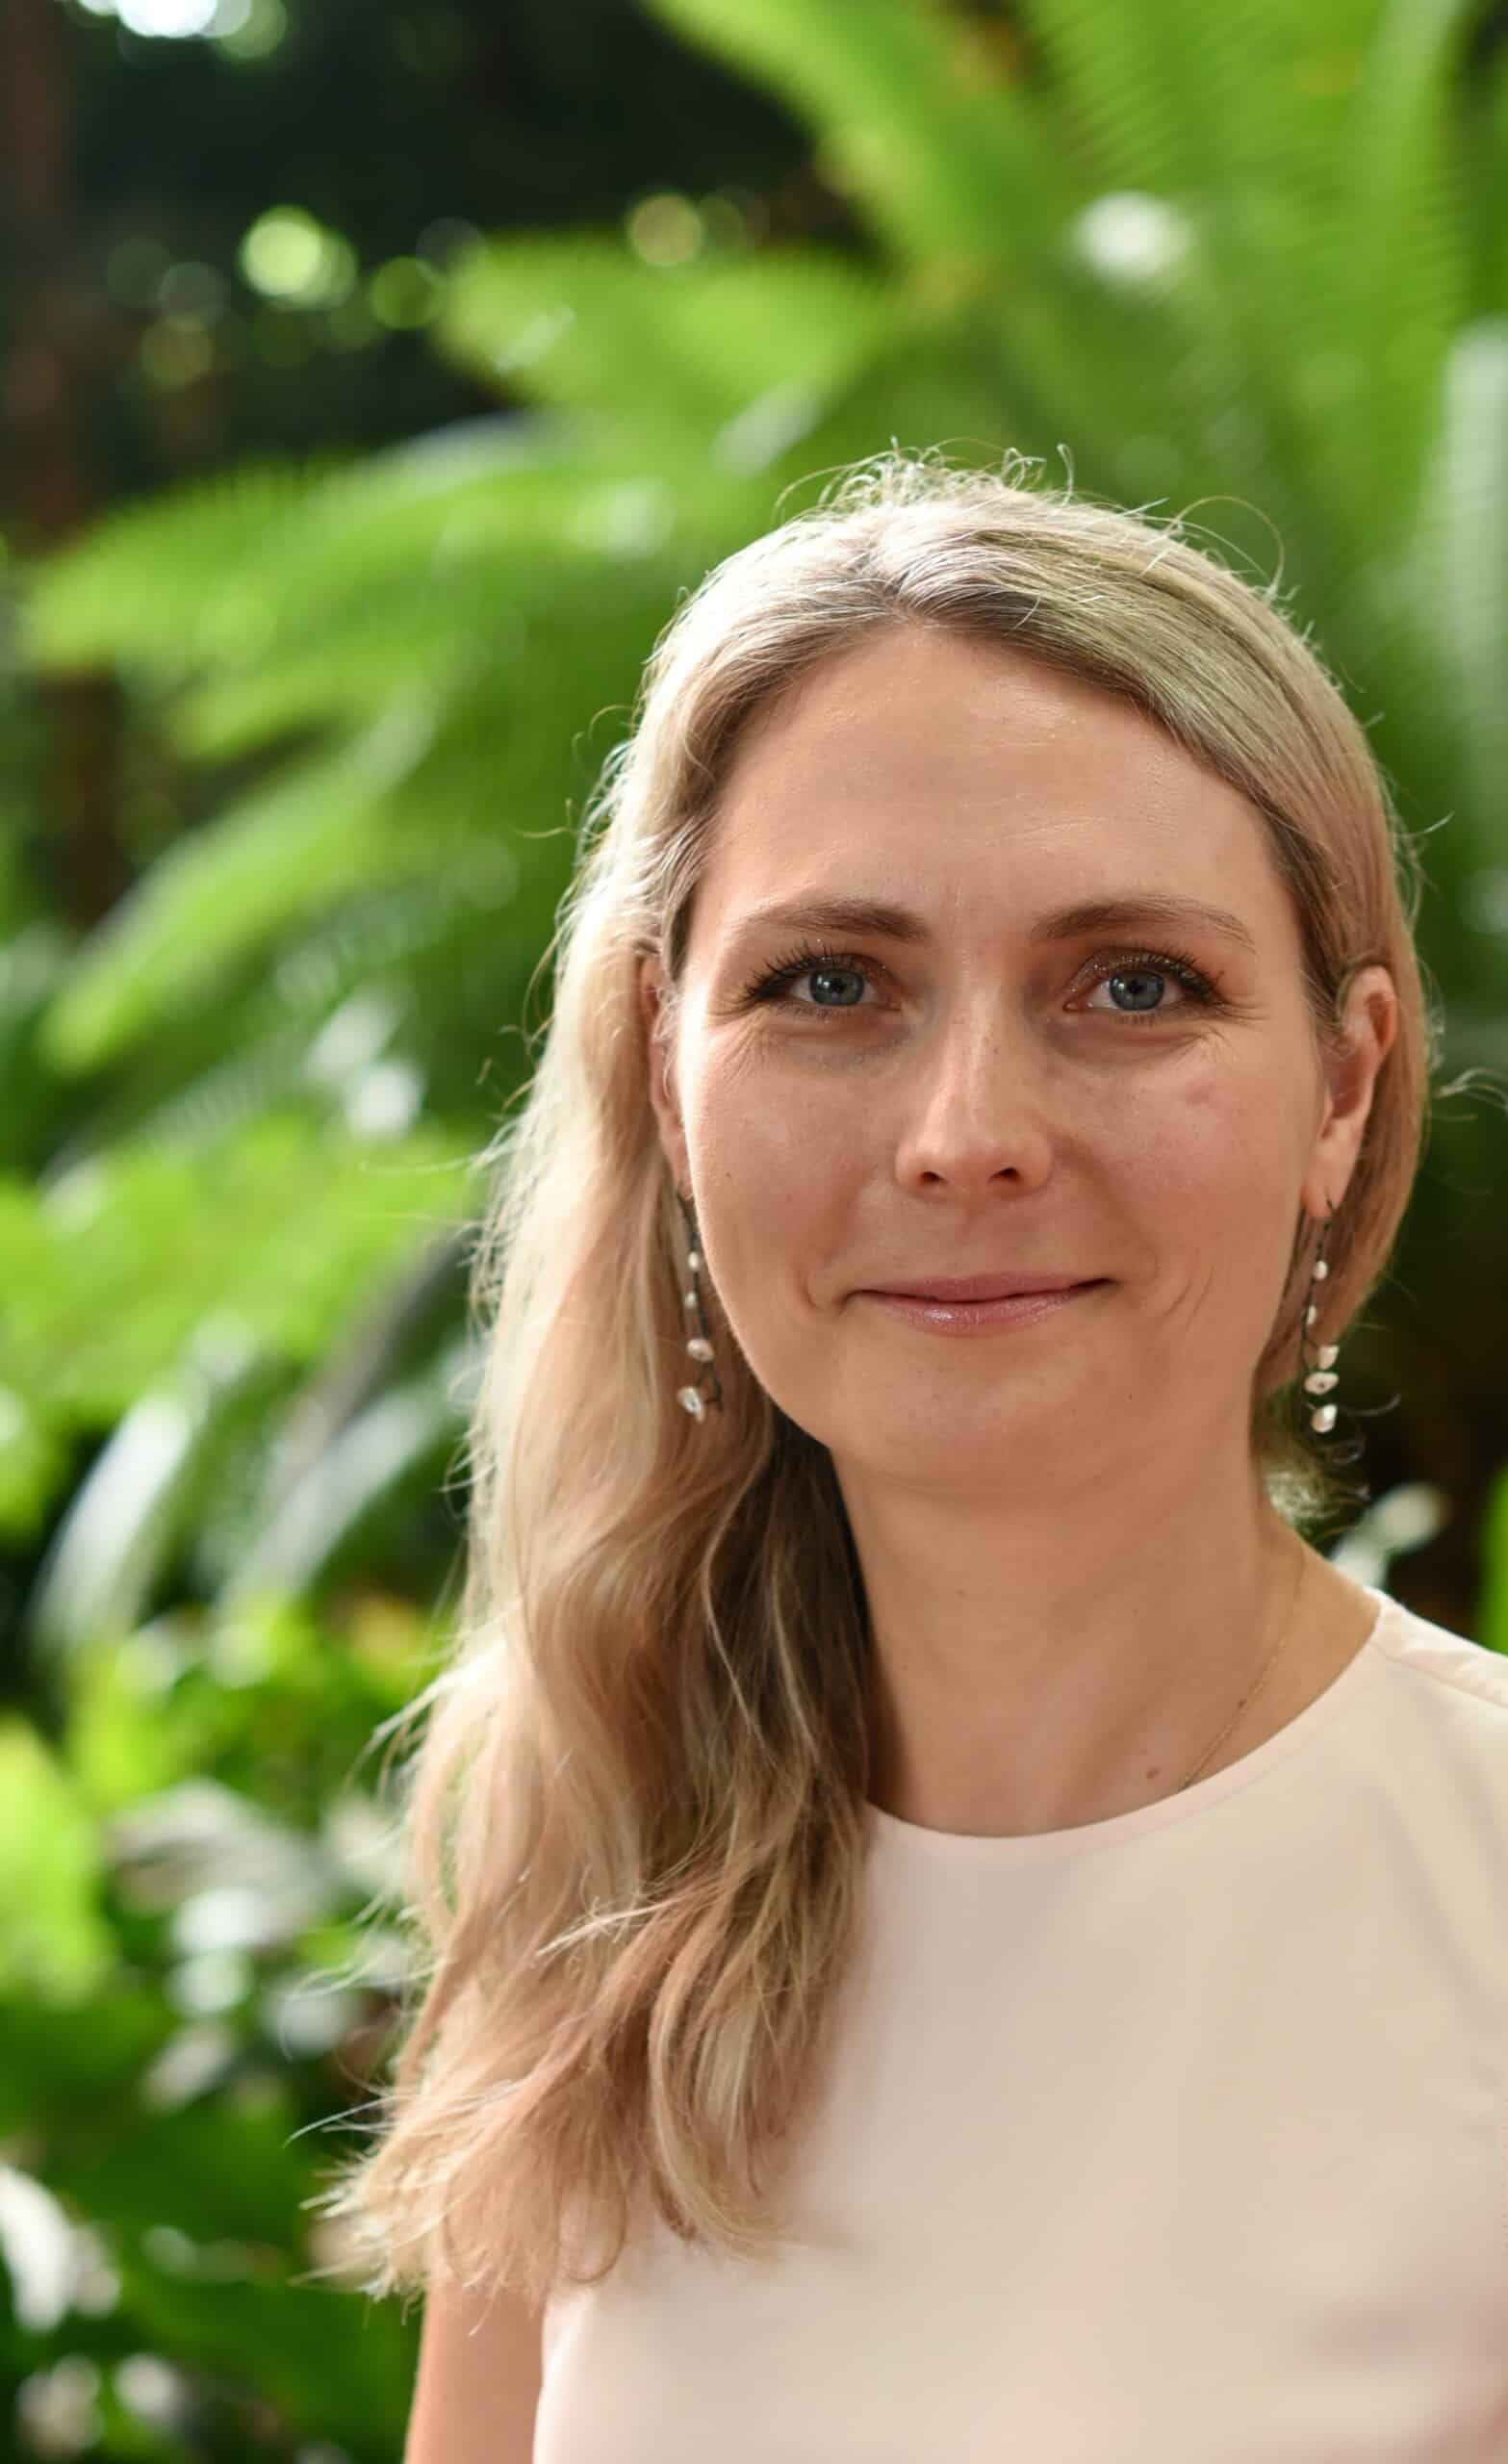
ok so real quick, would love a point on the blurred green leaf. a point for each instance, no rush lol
(339, 2366)
(54, 1939)
(281, 853)
(921, 113)
(60, 2070)
(578, 319)
(126, 1518)
(1492, 1625)
(107, 1276)
(177, 575)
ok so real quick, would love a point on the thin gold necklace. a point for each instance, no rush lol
(1248, 1699)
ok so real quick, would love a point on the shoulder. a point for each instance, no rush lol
(1443, 1665)
(1440, 1728)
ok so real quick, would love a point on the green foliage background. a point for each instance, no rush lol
(1248, 262)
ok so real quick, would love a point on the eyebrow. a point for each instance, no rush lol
(880, 918)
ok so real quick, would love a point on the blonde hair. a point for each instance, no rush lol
(634, 1832)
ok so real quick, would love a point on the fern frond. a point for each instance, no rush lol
(212, 575)
(108, 1271)
(919, 109)
(1402, 278)
(280, 851)
(1176, 101)
(577, 319)
(173, 578)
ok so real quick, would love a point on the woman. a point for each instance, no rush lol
(956, 1931)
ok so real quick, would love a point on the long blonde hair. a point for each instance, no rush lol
(633, 1830)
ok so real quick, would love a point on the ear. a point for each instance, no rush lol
(1371, 1024)
(655, 1017)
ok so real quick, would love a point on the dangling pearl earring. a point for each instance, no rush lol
(691, 1398)
(1321, 1377)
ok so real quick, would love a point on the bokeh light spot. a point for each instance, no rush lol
(287, 255)
(256, 33)
(664, 230)
(173, 20)
(404, 292)
(1129, 237)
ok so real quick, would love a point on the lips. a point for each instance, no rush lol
(981, 1287)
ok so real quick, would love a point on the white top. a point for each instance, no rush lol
(1174, 2137)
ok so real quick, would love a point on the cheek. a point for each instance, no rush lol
(1194, 1166)
(782, 1187)
(1216, 1140)
(770, 1151)
(1211, 1187)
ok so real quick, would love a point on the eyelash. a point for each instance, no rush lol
(769, 987)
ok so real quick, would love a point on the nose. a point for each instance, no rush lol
(978, 1100)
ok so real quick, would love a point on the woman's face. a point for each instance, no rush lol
(999, 1089)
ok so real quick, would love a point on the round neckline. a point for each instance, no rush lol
(1034, 1847)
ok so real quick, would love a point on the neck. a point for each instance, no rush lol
(1021, 1686)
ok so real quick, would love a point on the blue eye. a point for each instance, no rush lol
(1150, 964)
(771, 986)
